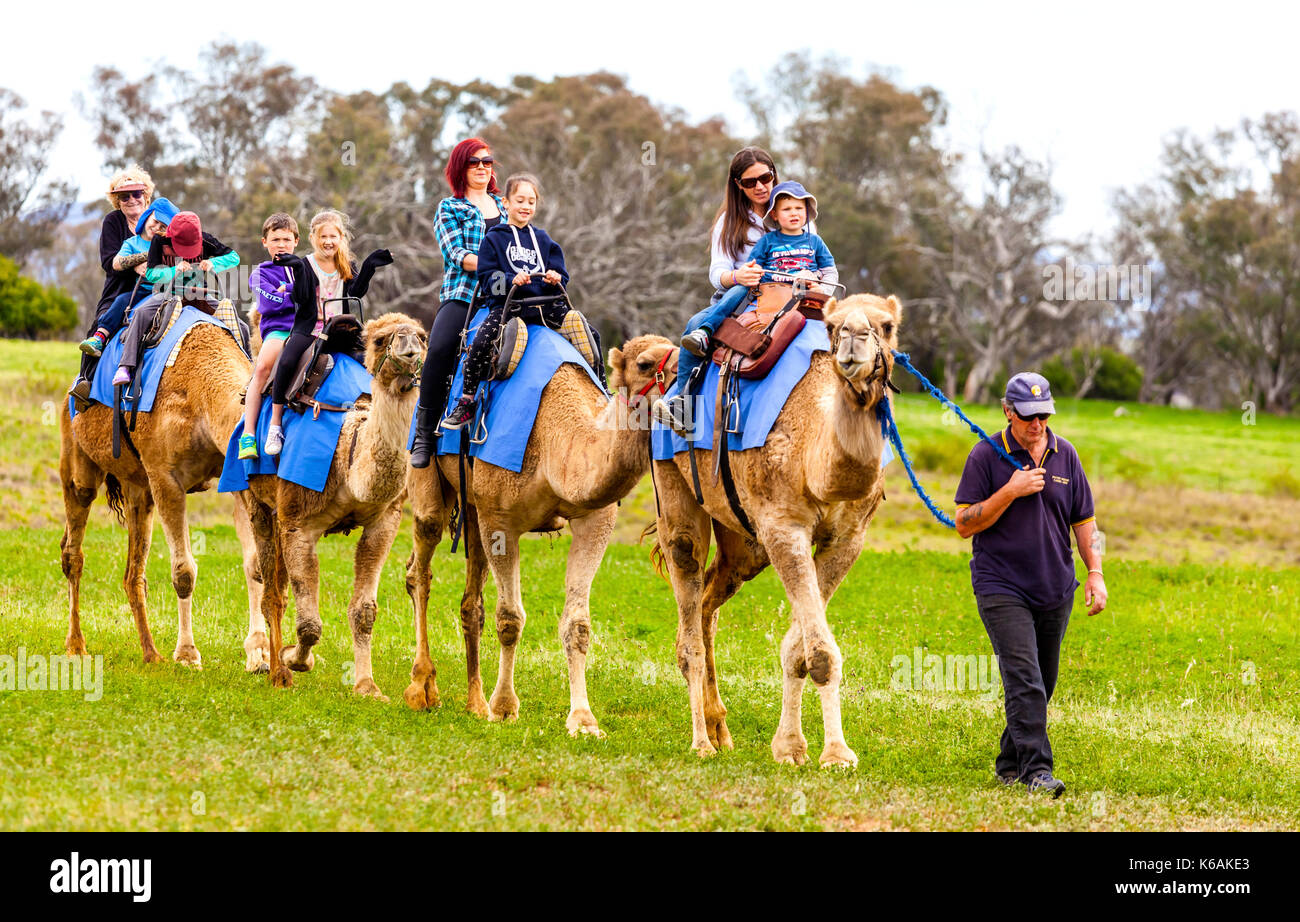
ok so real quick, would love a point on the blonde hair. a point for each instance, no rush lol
(342, 259)
(133, 173)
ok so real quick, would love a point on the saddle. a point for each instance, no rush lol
(513, 339)
(342, 333)
(751, 343)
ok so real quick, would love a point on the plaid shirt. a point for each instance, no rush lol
(460, 233)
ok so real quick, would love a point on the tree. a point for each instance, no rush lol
(29, 309)
(30, 213)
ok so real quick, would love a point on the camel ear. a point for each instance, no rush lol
(616, 359)
(895, 307)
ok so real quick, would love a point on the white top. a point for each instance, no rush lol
(720, 261)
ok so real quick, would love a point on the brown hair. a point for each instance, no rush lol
(343, 259)
(516, 179)
(736, 205)
(280, 221)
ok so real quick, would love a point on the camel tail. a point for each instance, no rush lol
(656, 552)
(113, 488)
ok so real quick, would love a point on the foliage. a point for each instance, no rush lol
(28, 218)
(1103, 373)
(29, 309)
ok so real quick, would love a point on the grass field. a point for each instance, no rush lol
(1179, 707)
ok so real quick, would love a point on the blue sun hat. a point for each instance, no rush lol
(793, 190)
(159, 208)
(1029, 393)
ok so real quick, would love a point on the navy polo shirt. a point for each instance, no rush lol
(1026, 552)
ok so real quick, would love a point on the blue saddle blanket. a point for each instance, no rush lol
(152, 362)
(511, 404)
(309, 444)
(760, 400)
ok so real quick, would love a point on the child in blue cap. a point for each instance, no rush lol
(788, 247)
(133, 254)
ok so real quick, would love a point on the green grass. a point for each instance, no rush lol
(1152, 726)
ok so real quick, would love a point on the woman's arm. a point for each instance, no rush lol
(719, 261)
(451, 240)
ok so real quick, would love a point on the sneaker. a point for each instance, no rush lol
(672, 413)
(460, 414)
(274, 440)
(247, 447)
(696, 342)
(80, 393)
(1043, 782)
(94, 346)
(123, 376)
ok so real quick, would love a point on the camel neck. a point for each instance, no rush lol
(844, 461)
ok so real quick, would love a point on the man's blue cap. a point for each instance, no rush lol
(1029, 393)
(159, 208)
(795, 190)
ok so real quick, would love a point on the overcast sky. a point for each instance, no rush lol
(1093, 87)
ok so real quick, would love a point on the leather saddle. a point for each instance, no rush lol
(751, 344)
(342, 334)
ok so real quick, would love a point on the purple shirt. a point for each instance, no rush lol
(1026, 552)
(273, 286)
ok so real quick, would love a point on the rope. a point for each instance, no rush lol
(889, 429)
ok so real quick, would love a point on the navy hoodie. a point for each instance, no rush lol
(499, 259)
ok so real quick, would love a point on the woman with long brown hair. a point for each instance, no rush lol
(739, 222)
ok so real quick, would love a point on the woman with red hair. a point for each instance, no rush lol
(463, 217)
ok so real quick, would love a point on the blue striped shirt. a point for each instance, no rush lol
(460, 233)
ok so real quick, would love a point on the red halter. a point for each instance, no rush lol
(660, 377)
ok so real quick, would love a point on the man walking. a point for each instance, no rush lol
(1021, 567)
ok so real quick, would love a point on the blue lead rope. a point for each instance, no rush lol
(889, 429)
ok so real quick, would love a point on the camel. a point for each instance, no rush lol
(177, 448)
(365, 489)
(817, 481)
(585, 453)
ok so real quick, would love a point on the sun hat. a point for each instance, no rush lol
(793, 190)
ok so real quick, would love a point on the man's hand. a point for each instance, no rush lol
(1026, 482)
(1094, 593)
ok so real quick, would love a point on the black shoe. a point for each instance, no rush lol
(1007, 779)
(425, 438)
(80, 393)
(696, 342)
(1043, 783)
(461, 413)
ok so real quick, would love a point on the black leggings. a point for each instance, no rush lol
(440, 362)
(478, 364)
(287, 365)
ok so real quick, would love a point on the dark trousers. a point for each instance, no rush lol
(141, 319)
(1027, 642)
(440, 361)
(287, 364)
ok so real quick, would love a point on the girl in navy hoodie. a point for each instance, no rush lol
(510, 253)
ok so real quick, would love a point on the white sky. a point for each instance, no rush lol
(1093, 87)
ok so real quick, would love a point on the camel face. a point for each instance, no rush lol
(395, 349)
(640, 364)
(864, 330)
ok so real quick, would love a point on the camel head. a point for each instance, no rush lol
(863, 330)
(639, 368)
(395, 348)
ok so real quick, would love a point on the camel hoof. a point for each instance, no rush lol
(503, 707)
(583, 722)
(791, 750)
(838, 755)
(290, 657)
(76, 646)
(719, 735)
(477, 706)
(704, 749)
(153, 656)
(281, 678)
(367, 688)
(257, 649)
(422, 694)
(188, 655)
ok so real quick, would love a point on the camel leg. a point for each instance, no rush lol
(171, 510)
(472, 614)
(138, 507)
(299, 550)
(790, 549)
(789, 745)
(257, 649)
(591, 534)
(423, 691)
(270, 563)
(509, 615)
(372, 550)
(77, 499)
(684, 535)
(737, 561)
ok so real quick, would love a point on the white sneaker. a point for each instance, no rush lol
(274, 440)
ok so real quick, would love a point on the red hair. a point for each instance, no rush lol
(458, 165)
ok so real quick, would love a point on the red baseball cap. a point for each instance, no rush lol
(186, 235)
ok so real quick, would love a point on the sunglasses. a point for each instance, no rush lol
(1041, 417)
(475, 161)
(136, 194)
(765, 179)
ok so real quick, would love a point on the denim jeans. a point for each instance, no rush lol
(1027, 642)
(708, 319)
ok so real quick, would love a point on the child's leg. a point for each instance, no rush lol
(480, 351)
(712, 316)
(270, 351)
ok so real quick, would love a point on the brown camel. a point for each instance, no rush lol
(177, 448)
(365, 489)
(586, 452)
(816, 482)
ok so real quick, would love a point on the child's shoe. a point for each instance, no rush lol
(123, 376)
(696, 342)
(460, 414)
(672, 413)
(247, 447)
(95, 344)
(274, 441)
